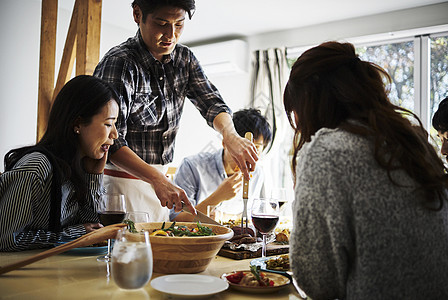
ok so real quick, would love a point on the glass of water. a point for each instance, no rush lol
(132, 262)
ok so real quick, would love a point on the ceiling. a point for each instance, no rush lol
(218, 19)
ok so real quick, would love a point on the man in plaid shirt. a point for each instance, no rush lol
(153, 74)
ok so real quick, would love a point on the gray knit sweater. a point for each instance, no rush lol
(358, 236)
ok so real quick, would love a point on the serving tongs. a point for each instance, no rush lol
(93, 237)
(248, 136)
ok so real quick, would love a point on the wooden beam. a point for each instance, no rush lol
(68, 55)
(88, 38)
(46, 63)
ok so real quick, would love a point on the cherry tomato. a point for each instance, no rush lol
(236, 277)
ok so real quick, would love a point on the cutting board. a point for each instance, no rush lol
(271, 249)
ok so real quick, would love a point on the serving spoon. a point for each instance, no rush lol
(96, 236)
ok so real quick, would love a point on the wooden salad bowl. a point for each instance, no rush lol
(187, 254)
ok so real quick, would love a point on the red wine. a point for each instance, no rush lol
(265, 224)
(281, 202)
(111, 217)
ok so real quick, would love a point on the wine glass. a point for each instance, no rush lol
(279, 194)
(132, 263)
(137, 216)
(111, 210)
(265, 215)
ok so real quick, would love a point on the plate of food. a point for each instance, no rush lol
(276, 264)
(189, 285)
(256, 281)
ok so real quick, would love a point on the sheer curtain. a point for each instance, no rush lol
(270, 73)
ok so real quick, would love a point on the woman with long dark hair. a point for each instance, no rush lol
(50, 190)
(370, 214)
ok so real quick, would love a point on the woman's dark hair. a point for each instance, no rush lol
(440, 118)
(251, 120)
(78, 101)
(150, 6)
(330, 85)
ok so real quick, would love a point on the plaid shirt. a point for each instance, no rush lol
(152, 95)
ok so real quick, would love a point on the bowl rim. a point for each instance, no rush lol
(218, 237)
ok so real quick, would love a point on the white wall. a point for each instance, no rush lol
(19, 62)
(18, 73)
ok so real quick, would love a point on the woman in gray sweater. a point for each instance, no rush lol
(370, 214)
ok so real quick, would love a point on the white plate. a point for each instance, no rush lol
(189, 285)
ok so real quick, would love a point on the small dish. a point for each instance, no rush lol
(189, 285)
(280, 282)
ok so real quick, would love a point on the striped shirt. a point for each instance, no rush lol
(152, 95)
(25, 205)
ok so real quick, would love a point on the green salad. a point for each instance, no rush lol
(182, 230)
(175, 230)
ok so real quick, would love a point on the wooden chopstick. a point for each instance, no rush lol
(90, 238)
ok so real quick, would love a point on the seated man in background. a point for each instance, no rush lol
(211, 178)
(440, 123)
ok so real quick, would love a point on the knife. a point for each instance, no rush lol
(201, 217)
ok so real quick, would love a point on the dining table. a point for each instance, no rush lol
(81, 276)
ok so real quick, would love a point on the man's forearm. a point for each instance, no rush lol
(223, 123)
(130, 162)
(168, 194)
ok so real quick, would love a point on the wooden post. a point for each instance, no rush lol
(84, 34)
(88, 38)
(68, 55)
(46, 63)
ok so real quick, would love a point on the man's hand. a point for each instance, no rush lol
(171, 196)
(243, 151)
(168, 194)
(94, 166)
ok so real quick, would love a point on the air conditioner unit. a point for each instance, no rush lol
(224, 57)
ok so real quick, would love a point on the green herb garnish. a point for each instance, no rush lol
(131, 226)
(255, 270)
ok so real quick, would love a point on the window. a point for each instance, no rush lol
(398, 60)
(418, 66)
(417, 62)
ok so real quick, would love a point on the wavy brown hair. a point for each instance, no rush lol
(330, 85)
